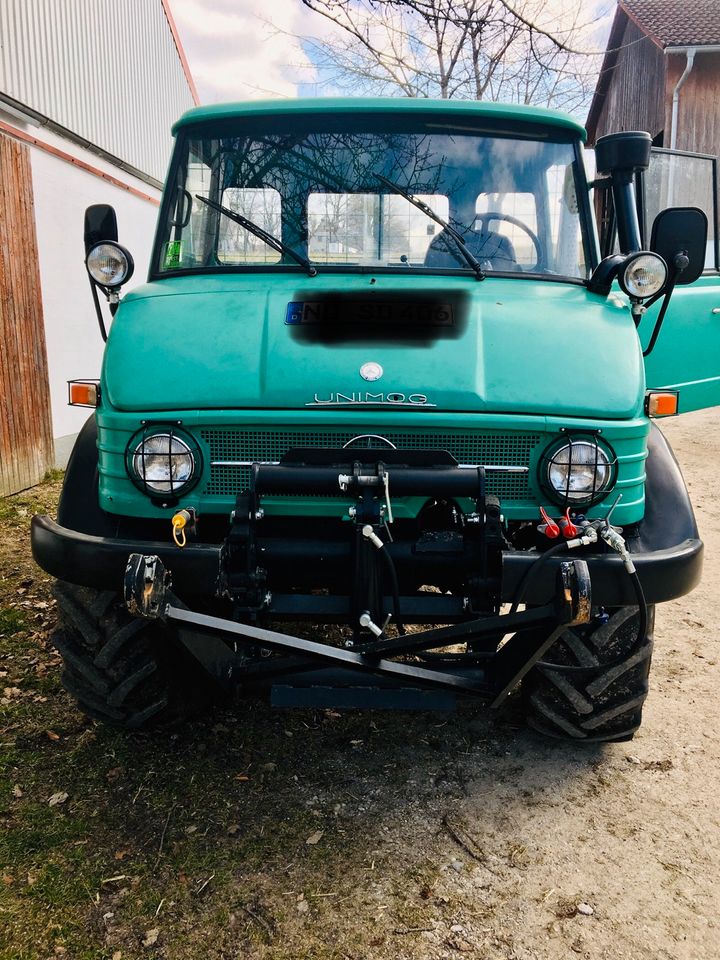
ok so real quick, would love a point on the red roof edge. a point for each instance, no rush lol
(181, 51)
(642, 27)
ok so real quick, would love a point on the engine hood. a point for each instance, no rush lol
(501, 345)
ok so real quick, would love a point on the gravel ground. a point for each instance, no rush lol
(256, 833)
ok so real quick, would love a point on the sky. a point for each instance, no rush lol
(245, 49)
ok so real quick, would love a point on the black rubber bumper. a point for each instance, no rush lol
(100, 562)
(666, 551)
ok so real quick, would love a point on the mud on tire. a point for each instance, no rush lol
(122, 670)
(593, 681)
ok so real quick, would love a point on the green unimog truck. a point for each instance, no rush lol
(381, 376)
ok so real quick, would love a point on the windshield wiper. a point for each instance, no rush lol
(471, 260)
(263, 235)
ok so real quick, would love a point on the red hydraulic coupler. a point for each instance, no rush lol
(548, 527)
(567, 527)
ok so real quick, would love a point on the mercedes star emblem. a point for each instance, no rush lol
(371, 371)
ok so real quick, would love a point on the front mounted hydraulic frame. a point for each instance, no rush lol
(252, 657)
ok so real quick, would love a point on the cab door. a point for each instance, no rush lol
(686, 356)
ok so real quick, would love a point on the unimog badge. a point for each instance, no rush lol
(366, 398)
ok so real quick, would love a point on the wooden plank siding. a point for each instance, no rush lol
(635, 96)
(698, 103)
(26, 440)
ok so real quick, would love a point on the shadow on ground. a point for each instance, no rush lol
(269, 833)
(251, 832)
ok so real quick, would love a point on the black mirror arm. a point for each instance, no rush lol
(680, 263)
(604, 274)
(98, 309)
(184, 211)
(663, 310)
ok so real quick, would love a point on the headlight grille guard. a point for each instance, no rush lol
(550, 458)
(169, 429)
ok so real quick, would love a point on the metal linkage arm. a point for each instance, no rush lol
(321, 651)
(147, 593)
(459, 632)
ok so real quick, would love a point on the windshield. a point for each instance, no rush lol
(338, 198)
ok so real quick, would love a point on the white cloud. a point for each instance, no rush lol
(242, 49)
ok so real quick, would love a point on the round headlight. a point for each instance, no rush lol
(643, 275)
(163, 464)
(578, 473)
(109, 264)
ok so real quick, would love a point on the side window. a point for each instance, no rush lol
(566, 251)
(235, 244)
(189, 243)
(683, 180)
(603, 207)
(517, 206)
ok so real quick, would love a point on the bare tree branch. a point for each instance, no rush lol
(472, 49)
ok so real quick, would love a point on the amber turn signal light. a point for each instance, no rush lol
(661, 403)
(83, 393)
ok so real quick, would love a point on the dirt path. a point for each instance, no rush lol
(312, 835)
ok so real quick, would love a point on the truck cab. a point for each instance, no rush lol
(380, 374)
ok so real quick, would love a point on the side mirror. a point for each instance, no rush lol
(679, 235)
(100, 225)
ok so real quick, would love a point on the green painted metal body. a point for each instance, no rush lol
(528, 359)
(522, 347)
(687, 354)
(442, 110)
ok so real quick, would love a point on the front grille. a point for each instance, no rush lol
(475, 448)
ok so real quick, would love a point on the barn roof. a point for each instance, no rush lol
(696, 22)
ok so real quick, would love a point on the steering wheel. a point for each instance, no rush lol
(485, 218)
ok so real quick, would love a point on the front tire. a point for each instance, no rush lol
(593, 682)
(122, 670)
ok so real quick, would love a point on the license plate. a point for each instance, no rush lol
(361, 312)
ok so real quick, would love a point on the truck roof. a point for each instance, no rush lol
(447, 109)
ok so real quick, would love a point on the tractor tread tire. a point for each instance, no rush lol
(593, 682)
(115, 644)
(123, 670)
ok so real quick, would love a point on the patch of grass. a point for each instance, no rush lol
(53, 475)
(12, 621)
(151, 817)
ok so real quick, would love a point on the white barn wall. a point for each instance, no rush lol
(62, 192)
(107, 70)
(103, 81)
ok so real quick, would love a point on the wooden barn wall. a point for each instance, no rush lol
(698, 105)
(26, 442)
(635, 96)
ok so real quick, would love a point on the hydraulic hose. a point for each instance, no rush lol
(395, 588)
(369, 534)
(615, 542)
(642, 609)
(532, 573)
